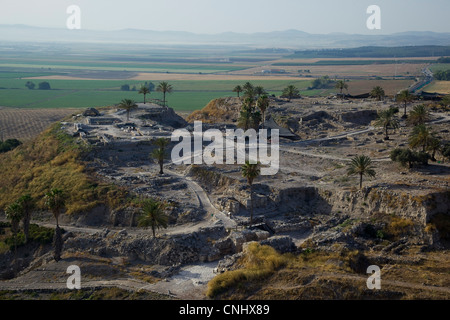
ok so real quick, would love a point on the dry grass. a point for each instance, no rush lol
(53, 160)
(442, 87)
(259, 263)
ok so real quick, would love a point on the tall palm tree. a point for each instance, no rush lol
(361, 165)
(404, 97)
(238, 89)
(420, 137)
(164, 87)
(341, 85)
(14, 213)
(290, 92)
(251, 172)
(28, 205)
(160, 153)
(378, 93)
(249, 117)
(418, 115)
(263, 104)
(55, 201)
(128, 105)
(249, 90)
(144, 90)
(153, 215)
(387, 119)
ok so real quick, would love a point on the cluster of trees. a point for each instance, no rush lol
(423, 143)
(152, 215)
(9, 145)
(22, 209)
(442, 75)
(250, 91)
(321, 83)
(41, 86)
(443, 60)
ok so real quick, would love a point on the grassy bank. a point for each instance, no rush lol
(53, 160)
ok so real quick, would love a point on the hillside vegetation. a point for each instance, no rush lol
(53, 160)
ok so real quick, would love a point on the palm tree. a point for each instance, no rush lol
(420, 137)
(263, 104)
(361, 165)
(248, 117)
(249, 91)
(434, 145)
(259, 91)
(418, 115)
(386, 119)
(153, 215)
(55, 201)
(164, 87)
(160, 153)
(341, 85)
(378, 93)
(251, 172)
(404, 97)
(28, 205)
(128, 105)
(238, 89)
(144, 90)
(290, 92)
(14, 213)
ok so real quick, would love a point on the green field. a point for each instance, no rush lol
(187, 95)
(440, 67)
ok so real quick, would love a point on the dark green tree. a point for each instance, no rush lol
(361, 165)
(153, 215)
(404, 97)
(238, 89)
(290, 92)
(128, 105)
(386, 119)
(28, 205)
(378, 93)
(165, 88)
(418, 115)
(144, 90)
(55, 200)
(159, 154)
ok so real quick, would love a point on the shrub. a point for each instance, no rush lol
(44, 86)
(9, 145)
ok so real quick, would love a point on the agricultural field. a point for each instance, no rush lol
(442, 87)
(25, 124)
(84, 76)
(440, 67)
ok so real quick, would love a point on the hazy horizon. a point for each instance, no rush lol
(248, 16)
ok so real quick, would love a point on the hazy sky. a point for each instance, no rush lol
(245, 16)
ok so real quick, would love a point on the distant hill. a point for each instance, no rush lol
(376, 52)
(293, 39)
